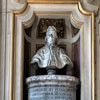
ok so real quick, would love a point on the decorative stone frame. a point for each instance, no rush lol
(84, 20)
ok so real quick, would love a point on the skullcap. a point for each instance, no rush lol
(51, 28)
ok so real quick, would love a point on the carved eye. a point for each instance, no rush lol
(51, 35)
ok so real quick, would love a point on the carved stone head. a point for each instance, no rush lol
(51, 35)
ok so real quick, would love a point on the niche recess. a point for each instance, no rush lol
(34, 39)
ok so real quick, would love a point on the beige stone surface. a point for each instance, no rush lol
(97, 68)
(2, 53)
(4, 44)
(94, 2)
(98, 56)
(3, 5)
(15, 4)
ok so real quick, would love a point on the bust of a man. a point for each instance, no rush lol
(51, 56)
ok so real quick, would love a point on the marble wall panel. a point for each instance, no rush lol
(2, 53)
(98, 57)
(3, 5)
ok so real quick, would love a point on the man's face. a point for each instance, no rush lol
(50, 37)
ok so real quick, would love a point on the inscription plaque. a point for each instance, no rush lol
(52, 93)
(52, 87)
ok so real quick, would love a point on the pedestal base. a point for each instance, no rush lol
(52, 87)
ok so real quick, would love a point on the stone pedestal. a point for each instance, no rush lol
(52, 87)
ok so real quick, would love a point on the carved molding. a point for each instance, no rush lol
(87, 5)
(81, 19)
(52, 1)
(15, 5)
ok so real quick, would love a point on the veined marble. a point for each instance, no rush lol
(52, 87)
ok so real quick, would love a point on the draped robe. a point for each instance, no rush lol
(51, 57)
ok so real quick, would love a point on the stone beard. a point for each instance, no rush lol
(51, 56)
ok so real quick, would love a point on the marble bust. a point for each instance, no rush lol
(51, 56)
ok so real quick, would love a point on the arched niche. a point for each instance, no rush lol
(79, 18)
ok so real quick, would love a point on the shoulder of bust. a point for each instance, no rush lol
(41, 49)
